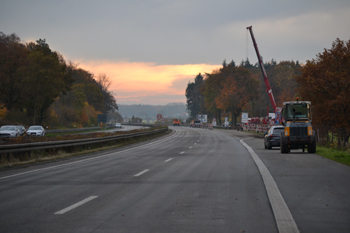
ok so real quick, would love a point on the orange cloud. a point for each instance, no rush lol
(135, 82)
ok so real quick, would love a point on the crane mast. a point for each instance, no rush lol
(266, 80)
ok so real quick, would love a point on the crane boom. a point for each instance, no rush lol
(266, 80)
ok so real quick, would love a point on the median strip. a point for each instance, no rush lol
(76, 205)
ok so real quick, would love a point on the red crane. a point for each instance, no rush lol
(266, 80)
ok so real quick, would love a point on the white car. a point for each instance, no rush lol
(9, 131)
(36, 130)
(118, 125)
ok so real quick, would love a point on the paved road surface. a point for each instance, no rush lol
(194, 180)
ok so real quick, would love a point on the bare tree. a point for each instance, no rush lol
(104, 81)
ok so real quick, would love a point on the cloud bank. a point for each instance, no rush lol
(147, 83)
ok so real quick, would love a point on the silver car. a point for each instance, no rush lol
(36, 130)
(9, 131)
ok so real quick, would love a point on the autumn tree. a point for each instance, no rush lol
(325, 81)
(82, 103)
(282, 81)
(110, 103)
(239, 87)
(210, 90)
(195, 99)
(13, 59)
(46, 77)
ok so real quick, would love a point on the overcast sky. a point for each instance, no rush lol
(152, 48)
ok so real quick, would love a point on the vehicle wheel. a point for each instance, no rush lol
(269, 147)
(284, 147)
(311, 148)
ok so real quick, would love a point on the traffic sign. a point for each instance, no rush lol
(159, 117)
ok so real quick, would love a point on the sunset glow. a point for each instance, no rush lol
(147, 83)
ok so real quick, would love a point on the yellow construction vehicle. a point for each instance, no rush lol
(298, 133)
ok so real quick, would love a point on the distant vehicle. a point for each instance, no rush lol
(9, 131)
(36, 130)
(176, 122)
(195, 123)
(273, 136)
(239, 127)
(118, 125)
(21, 129)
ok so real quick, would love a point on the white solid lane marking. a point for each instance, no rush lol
(76, 205)
(182, 152)
(168, 160)
(284, 219)
(144, 171)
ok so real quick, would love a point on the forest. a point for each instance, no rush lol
(233, 89)
(37, 86)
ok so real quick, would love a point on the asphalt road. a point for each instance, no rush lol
(194, 180)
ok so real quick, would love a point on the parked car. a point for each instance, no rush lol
(9, 131)
(118, 125)
(273, 136)
(36, 130)
(21, 129)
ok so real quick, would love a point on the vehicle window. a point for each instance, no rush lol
(34, 128)
(7, 128)
(301, 111)
(278, 130)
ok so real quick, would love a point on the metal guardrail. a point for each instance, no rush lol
(74, 129)
(13, 148)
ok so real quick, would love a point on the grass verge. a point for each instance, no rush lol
(339, 156)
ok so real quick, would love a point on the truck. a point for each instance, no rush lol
(195, 123)
(298, 132)
(176, 122)
(296, 116)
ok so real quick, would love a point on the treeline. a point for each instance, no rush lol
(150, 112)
(37, 86)
(233, 89)
(325, 81)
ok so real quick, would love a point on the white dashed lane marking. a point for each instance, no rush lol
(143, 172)
(69, 208)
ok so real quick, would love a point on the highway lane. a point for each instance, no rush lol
(315, 189)
(194, 180)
